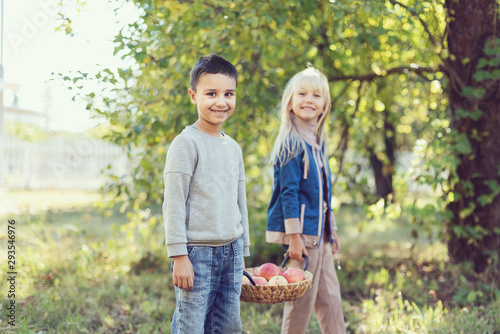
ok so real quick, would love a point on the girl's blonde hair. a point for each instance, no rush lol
(289, 143)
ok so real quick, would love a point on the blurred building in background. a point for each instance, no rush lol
(15, 113)
(59, 160)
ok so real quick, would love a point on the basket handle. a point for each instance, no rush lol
(249, 277)
(288, 258)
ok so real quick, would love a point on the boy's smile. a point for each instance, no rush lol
(215, 97)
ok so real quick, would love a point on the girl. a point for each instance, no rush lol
(299, 214)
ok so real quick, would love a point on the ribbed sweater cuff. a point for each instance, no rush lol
(177, 249)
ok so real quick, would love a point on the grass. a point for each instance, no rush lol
(83, 272)
(36, 201)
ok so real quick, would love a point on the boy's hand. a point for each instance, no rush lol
(296, 247)
(336, 243)
(183, 273)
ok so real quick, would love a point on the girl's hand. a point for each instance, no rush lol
(296, 247)
(336, 243)
(183, 273)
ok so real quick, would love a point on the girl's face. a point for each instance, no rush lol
(307, 104)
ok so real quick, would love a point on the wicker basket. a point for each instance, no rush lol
(272, 294)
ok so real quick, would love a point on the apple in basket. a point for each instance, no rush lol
(259, 280)
(245, 280)
(294, 275)
(268, 270)
(277, 280)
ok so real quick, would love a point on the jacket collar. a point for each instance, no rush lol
(307, 131)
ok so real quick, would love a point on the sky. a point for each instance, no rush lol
(33, 50)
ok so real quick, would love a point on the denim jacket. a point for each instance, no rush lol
(298, 204)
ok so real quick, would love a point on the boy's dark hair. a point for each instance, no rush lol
(212, 64)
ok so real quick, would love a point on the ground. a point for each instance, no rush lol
(84, 270)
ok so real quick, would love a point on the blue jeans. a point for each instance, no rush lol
(213, 306)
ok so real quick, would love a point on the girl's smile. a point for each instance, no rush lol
(218, 111)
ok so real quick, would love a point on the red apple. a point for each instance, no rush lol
(277, 280)
(268, 270)
(260, 280)
(294, 275)
(281, 273)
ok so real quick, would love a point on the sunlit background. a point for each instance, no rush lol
(33, 50)
(48, 139)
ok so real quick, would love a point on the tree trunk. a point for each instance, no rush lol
(383, 172)
(471, 24)
(383, 179)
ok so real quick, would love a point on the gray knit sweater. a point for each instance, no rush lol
(204, 200)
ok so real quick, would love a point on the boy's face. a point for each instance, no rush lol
(215, 97)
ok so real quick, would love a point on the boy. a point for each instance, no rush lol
(204, 208)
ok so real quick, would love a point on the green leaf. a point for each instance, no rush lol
(485, 199)
(493, 185)
(477, 93)
(254, 22)
(482, 75)
(483, 62)
(494, 62)
(458, 231)
(140, 56)
(163, 63)
(338, 14)
(476, 114)
(468, 91)
(461, 113)
(463, 145)
(495, 75)
(492, 49)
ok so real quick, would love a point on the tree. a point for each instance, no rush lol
(469, 58)
(473, 70)
(387, 62)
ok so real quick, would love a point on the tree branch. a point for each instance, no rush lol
(417, 15)
(341, 94)
(344, 138)
(371, 76)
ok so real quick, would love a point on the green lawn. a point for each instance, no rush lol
(80, 271)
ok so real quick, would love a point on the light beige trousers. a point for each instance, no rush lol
(324, 296)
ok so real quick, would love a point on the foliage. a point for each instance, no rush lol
(387, 61)
(367, 52)
(26, 132)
